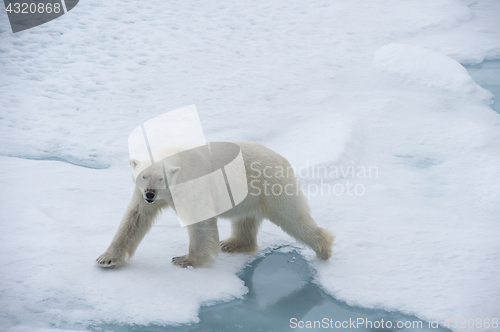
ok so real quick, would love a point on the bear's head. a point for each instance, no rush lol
(153, 179)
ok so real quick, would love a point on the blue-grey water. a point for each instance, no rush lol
(487, 75)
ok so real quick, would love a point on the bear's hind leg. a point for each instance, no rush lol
(203, 244)
(305, 230)
(243, 236)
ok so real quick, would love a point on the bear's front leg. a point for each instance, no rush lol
(136, 222)
(203, 244)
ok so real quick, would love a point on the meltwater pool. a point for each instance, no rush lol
(487, 75)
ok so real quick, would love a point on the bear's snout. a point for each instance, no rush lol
(149, 196)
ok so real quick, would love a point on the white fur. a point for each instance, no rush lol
(289, 211)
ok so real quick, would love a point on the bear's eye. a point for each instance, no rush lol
(144, 177)
(161, 179)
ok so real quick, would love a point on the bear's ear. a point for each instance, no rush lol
(173, 174)
(175, 170)
(134, 162)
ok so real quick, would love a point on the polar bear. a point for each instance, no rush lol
(273, 193)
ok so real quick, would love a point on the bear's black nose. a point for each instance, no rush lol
(150, 195)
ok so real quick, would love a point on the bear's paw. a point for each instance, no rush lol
(233, 246)
(182, 261)
(107, 260)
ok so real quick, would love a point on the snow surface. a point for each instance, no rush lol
(417, 65)
(363, 83)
